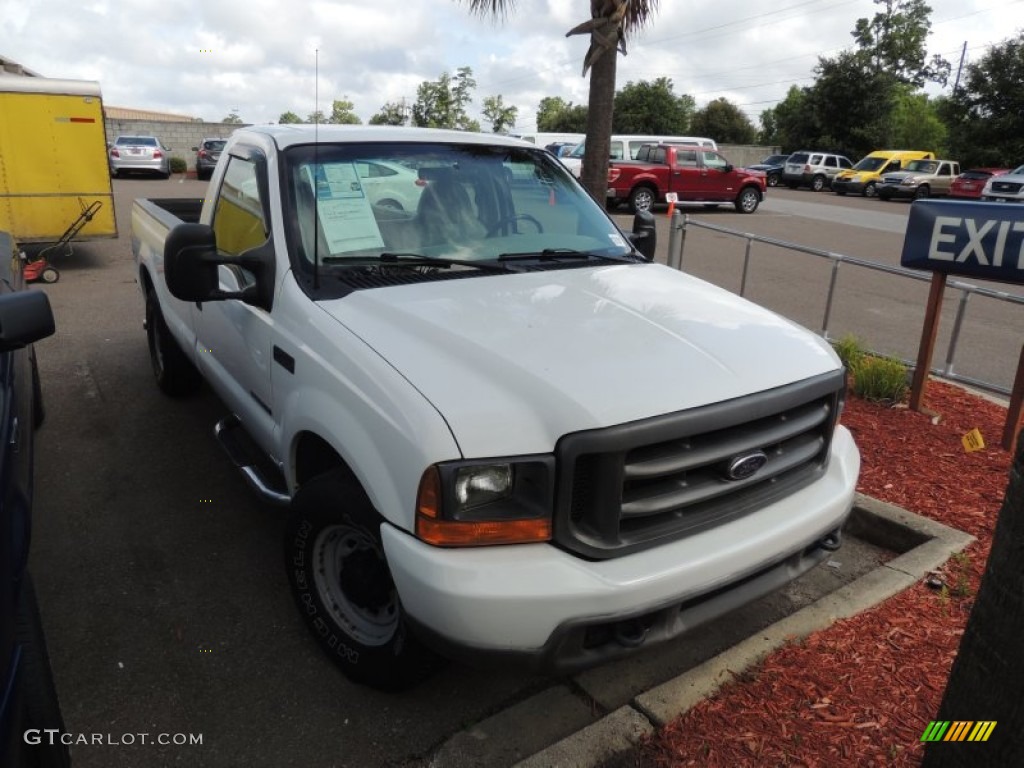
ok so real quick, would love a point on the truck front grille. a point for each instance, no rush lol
(635, 485)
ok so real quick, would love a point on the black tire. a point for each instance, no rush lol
(772, 180)
(352, 609)
(869, 190)
(38, 691)
(38, 410)
(818, 183)
(748, 200)
(174, 372)
(840, 192)
(49, 275)
(922, 192)
(642, 199)
(884, 196)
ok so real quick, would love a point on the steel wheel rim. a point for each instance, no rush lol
(333, 546)
(643, 200)
(749, 201)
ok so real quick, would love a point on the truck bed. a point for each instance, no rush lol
(185, 209)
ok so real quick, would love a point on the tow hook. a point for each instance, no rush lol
(831, 542)
(630, 633)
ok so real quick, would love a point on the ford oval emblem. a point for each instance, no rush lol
(745, 465)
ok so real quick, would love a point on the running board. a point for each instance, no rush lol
(266, 480)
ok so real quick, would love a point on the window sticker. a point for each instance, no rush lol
(344, 210)
(617, 240)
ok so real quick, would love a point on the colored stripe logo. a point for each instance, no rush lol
(958, 730)
(75, 119)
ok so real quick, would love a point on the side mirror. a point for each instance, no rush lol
(25, 317)
(645, 234)
(191, 262)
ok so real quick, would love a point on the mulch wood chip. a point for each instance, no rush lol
(862, 691)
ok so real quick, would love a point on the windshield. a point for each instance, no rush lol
(465, 202)
(921, 166)
(578, 150)
(870, 164)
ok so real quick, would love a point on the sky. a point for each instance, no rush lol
(260, 58)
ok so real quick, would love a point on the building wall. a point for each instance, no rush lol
(177, 136)
(747, 154)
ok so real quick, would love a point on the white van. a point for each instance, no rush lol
(626, 146)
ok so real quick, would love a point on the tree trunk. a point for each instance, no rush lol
(594, 175)
(987, 679)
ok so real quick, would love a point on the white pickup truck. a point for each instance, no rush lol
(501, 430)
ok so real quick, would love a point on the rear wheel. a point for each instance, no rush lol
(869, 190)
(818, 183)
(341, 582)
(748, 200)
(641, 199)
(840, 192)
(772, 180)
(174, 372)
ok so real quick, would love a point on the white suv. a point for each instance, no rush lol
(1008, 188)
(813, 169)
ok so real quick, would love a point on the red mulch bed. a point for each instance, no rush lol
(862, 691)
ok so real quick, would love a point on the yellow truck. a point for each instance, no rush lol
(867, 173)
(54, 177)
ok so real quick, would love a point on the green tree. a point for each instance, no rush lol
(791, 123)
(392, 113)
(232, 119)
(652, 107)
(894, 42)
(316, 117)
(500, 116)
(555, 115)
(916, 123)
(852, 105)
(608, 25)
(442, 103)
(288, 117)
(342, 114)
(985, 116)
(724, 122)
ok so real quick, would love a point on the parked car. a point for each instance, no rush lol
(28, 698)
(139, 153)
(207, 154)
(390, 185)
(561, 148)
(1005, 188)
(868, 171)
(972, 181)
(919, 179)
(772, 167)
(813, 169)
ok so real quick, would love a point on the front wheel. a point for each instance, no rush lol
(641, 199)
(174, 372)
(922, 192)
(341, 582)
(748, 200)
(870, 191)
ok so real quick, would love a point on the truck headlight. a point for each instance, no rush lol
(472, 503)
(910, 182)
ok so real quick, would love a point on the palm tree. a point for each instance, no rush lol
(610, 21)
(987, 678)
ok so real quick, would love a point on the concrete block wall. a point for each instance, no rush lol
(180, 137)
(747, 154)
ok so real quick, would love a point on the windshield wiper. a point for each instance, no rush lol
(414, 260)
(555, 254)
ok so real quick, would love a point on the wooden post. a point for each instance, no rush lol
(928, 336)
(1013, 414)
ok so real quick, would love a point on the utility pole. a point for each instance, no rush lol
(960, 68)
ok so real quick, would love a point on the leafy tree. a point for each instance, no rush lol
(288, 118)
(501, 117)
(916, 123)
(342, 114)
(232, 119)
(724, 122)
(608, 25)
(391, 113)
(893, 41)
(791, 123)
(442, 103)
(316, 117)
(986, 114)
(652, 107)
(554, 115)
(852, 105)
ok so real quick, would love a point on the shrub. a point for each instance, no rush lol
(850, 350)
(178, 165)
(880, 379)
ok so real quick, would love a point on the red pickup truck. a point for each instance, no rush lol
(694, 173)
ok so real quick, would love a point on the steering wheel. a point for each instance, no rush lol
(493, 230)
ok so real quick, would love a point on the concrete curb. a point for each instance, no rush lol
(925, 545)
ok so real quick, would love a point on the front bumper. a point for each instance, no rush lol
(896, 190)
(556, 612)
(845, 185)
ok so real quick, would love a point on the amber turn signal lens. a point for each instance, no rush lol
(445, 533)
(428, 496)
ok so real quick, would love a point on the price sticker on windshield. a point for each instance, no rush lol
(671, 197)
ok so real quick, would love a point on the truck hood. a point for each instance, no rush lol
(513, 362)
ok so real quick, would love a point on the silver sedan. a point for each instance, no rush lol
(139, 153)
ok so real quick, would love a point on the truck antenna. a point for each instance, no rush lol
(316, 169)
